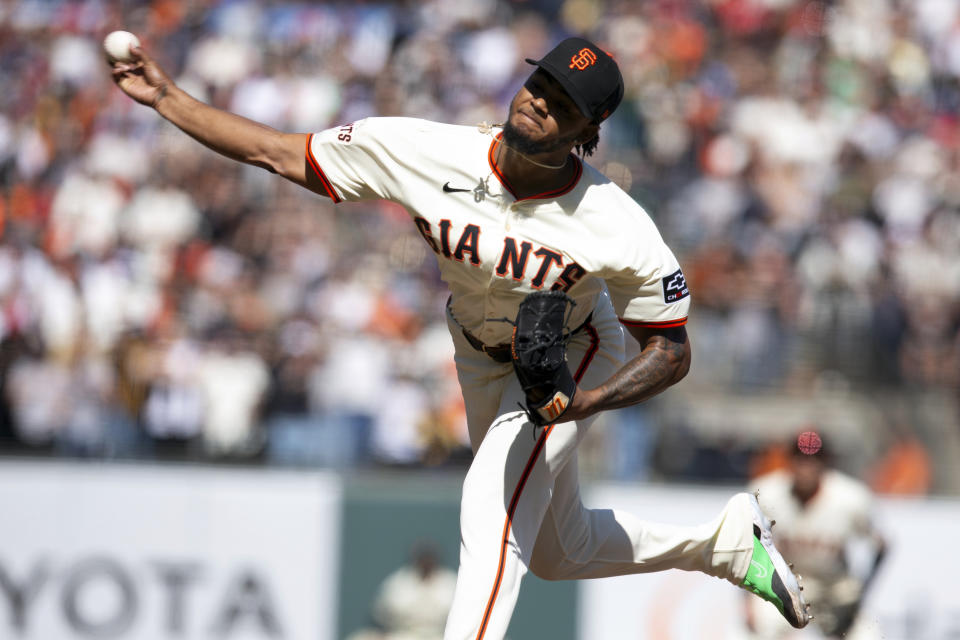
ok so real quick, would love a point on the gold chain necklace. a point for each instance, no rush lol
(488, 129)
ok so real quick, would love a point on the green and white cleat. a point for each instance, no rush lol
(770, 577)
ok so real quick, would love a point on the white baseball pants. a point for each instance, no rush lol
(521, 506)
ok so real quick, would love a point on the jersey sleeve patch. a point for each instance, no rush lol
(675, 287)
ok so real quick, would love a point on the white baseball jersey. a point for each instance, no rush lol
(492, 248)
(521, 507)
(815, 537)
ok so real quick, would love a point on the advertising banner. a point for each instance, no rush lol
(162, 553)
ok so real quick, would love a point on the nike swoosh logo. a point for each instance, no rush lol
(762, 570)
(448, 189)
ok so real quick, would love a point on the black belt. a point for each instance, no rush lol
(501, 352)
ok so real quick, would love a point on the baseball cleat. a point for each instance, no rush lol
(769, 576)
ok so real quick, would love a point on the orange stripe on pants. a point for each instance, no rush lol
(541, 443)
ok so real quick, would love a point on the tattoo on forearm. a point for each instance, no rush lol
(662, 363)
(161, 93)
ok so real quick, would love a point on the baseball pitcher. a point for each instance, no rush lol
(547, 263)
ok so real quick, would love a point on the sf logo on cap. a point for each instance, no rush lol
(584, 58)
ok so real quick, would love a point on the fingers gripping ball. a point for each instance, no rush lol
(117, 46)
(539, 350)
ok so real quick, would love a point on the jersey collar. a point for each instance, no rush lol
(553, 193)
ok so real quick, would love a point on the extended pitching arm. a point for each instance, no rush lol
(226, 133)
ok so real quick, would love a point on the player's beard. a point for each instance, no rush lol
(518, 141)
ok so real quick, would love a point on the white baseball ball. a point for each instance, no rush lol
(117, 45)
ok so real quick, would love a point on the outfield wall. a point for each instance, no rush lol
(167, 552)
(151, 552)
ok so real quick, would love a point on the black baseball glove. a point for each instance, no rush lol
(539, 350)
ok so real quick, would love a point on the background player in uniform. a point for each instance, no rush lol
(510, 210)
(823, 516)
(413, 601)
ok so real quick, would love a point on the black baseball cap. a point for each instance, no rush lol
(588, 74)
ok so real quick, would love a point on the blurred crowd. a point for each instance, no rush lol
(802, 158)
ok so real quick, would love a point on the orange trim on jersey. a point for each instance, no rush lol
(546, 194)
(665, 324)
(511, 510)
(327, 185)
